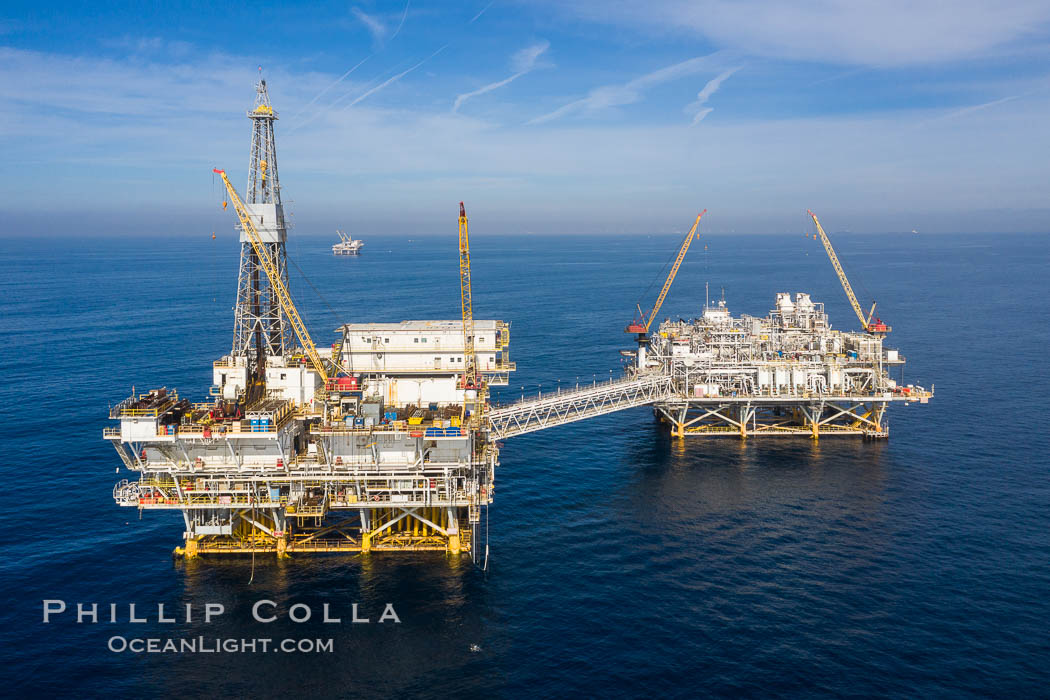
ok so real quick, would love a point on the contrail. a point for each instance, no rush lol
(330, 106)
(404, 14)
(460, 99)
(359, 64)
(337, 81)
(633, 90)
(523, 61)
(482, 11)
(394, 79)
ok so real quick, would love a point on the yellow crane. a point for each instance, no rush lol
(877, 328)
(637, 326)
(280, 291)
(471, 381)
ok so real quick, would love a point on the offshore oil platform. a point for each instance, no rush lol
(386, 440)
(785, 374)
(373, 443)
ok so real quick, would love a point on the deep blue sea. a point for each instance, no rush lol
(622, 563)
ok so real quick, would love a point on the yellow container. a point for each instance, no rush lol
(414, 420)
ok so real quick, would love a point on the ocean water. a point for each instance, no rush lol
(622, 563)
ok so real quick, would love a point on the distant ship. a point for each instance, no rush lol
(347, 245)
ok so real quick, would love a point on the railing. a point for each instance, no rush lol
(146, 412)
(392, 427)
(308, 510)
(218, 430)
(129, 494)
(569, 406)
(121, 409)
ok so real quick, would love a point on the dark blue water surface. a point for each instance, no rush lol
(622, 563)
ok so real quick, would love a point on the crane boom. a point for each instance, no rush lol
(866, 323)
(470, 365)
(674, 271)
(272, 273)
(471, 380)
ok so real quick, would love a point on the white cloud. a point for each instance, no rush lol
(525, 60)
(106, 133)
(859, 32)
(696, 108)
(372, 23)
(630, 92)
(522, 62)
(699, 116)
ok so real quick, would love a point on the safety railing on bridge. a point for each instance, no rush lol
(585, 402)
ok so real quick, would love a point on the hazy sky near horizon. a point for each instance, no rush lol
(582, 117)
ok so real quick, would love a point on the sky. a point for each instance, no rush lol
(546, 117)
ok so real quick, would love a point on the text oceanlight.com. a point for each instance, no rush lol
(214, 645)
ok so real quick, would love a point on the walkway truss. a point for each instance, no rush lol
(578, 404)
(812, 416)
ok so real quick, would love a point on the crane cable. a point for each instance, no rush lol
(851, 272)
(660, 276)
(324, 301)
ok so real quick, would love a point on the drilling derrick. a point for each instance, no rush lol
(260, 328)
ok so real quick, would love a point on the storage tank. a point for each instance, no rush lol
(765, 377)
(798, 377)
(836, 378)
(783, 377)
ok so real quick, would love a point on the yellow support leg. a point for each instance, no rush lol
(452, 528)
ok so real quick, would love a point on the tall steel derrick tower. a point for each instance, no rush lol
(260, 327)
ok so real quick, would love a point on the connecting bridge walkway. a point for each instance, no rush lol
(578, 404)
